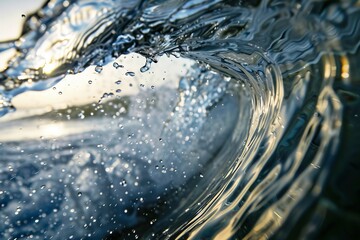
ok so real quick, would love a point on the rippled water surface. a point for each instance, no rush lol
(181, 120)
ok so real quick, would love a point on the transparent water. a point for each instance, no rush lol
(181, 120)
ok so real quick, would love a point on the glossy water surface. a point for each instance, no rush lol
(181, 120)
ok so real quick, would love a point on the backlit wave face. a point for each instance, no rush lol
(175, 119)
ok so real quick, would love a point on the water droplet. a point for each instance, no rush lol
(17, 211)
(79, 194)
(90, 82)
(23, 15)
(152, 87)
(118, 90)
(106, 95)
(42, 187)
(131, 74)
(98, 69)
(116, 65)
(123, 183)
(118, 82)
(147, 65)
(60, 93)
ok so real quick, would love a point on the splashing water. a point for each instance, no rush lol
(242, 124)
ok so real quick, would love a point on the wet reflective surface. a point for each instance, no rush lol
(181, 120)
